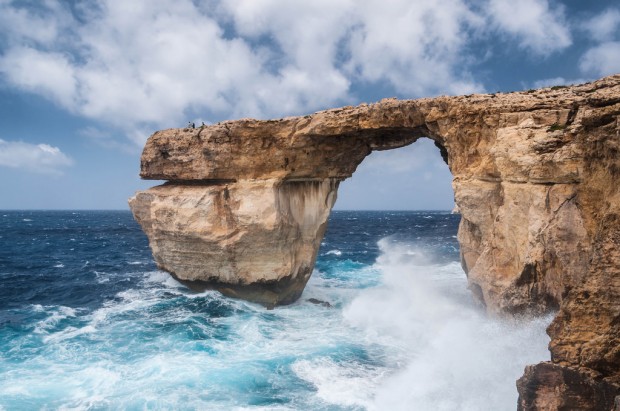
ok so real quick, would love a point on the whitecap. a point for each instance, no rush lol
(162, 278)
(57, 314)
(37, 308)
(346, 384)
(334, 252)
(59, 265)
(101, 277)
(69, 333)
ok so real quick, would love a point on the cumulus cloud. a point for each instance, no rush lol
(34, 25)
(603, 26)
(141, 65)
(602, 60)
(40, 158)
(415, 46)
(47, 73)
(419, 47)
(534, 24)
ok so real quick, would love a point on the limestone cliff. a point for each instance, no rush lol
(256, 240)
(535, 178)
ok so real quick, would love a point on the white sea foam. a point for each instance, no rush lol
(161, 278)
(334, 252)
(56, 314)
(101, 277)
(68, 333)
(446, 354)
(343, 384)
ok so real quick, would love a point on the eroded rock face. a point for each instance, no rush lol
(536, 179)
(549, 387)
(256, 240)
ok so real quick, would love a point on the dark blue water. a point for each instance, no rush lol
(88, 322)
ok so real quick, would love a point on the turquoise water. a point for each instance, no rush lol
(87, 322)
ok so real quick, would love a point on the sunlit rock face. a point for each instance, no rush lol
(536, 179)
(256, 240)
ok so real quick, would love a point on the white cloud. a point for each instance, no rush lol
(48, 73)
(537, 26)
(41, 158)
(416, 46)
(602, 60)
(604, 26)
(33, 25)
(141, 65)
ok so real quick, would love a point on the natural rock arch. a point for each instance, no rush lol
(535, 178)
(413, 177)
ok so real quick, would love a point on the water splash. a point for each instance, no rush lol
(445, 352)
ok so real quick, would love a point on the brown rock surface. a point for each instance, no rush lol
(536, 179)
(549, 387)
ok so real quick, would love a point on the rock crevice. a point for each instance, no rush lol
(535, 178)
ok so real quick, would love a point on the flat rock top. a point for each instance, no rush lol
(331, 143)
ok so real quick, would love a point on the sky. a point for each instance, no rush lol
(83, 83)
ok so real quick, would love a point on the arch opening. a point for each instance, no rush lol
(413, 177)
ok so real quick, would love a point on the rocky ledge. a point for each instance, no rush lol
(536, 179)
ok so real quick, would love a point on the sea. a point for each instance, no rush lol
(88, 322)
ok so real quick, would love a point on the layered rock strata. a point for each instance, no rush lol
(255, 240)
(536, 179)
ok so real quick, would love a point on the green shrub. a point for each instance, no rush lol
(556, 127)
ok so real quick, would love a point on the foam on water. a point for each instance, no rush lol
(447, 354)
(334, 252)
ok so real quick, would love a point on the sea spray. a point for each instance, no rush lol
(446, 352)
